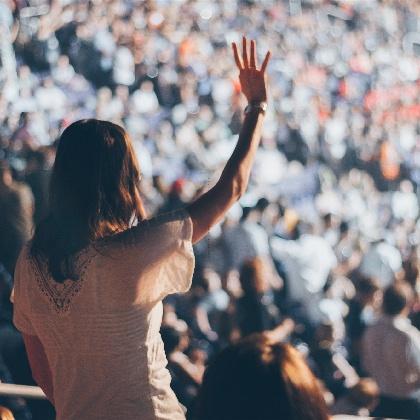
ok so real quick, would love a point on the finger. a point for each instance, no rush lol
(265, 62)
(245, 53)
(253, 63)
(236, 56)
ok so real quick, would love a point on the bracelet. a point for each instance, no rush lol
(256, 106)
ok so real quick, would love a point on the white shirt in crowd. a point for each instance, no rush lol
(308, 262)
(313, 257)
(391, 355)
(246, 241)
(382, 261)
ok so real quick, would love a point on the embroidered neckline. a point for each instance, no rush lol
(60, 295)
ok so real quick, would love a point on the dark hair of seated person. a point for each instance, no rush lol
(256, 379)
(397, 298)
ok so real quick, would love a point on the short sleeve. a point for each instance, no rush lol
(19, 297)
(173, 240)
(164, 244)
(155, 258)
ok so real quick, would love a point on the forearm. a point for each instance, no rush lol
(203, 321)
(211, 206)
(281, 332)
(349, 373)
(236, 174)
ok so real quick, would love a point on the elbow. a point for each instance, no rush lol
(239, 187)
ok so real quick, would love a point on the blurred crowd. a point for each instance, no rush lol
(330, 223)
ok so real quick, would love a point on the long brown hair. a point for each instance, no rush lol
(94, 192)
(256, 379)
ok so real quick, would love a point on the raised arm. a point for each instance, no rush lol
(209, 209)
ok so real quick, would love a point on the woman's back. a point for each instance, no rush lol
(101, 332)
(90, 307)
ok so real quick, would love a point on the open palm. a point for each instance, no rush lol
(253, 81)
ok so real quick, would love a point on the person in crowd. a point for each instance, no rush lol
(91, 275)
(212, 305)
(258, 379)
(330, 357)
(186, 376)
(14, 366)
(16, 209)
(174, 199)
(6, 414)
(257, 308)
(248, 239)
(12, 354)
(37, 178)
(382, 261)
(22, 135)
(339, 157)
(391, 356)
(11, 404)
(362, 310)
(308, 260)
(361, 399)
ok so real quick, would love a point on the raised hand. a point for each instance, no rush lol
(253, 81)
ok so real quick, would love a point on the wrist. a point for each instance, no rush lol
(257, 101)
(256, 106)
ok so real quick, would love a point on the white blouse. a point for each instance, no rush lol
(101, 332)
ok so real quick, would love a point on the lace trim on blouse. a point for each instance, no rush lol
(60, 295)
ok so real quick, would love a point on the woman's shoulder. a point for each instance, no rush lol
(176, 224)
(177, 216)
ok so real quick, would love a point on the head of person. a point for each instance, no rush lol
(326, 335)
(344, 228)
(175, 337)
(397, 299)
(262, 205)
(24, 119)
(367, 290)
(171, 339)
(253, 276)
(328, 220)
(6, 414)
(256, 379)
(94, 193)
(246, 212)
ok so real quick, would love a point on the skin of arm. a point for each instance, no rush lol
(350, 375)
(210, 208)
(281, 332)
(204, 324)
(39, 365)
(188, 368)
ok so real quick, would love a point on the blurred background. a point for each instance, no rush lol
(331, 217)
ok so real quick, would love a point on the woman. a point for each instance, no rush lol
(259, 379)
(88, 288)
